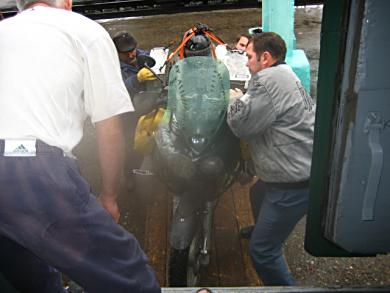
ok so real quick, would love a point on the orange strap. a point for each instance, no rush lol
(180, 48)
(214, 38)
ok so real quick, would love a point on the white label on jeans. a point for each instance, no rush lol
(20, 148)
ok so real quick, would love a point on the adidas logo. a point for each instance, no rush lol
(21, 149)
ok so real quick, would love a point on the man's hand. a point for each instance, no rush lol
(110, 204)
(235, 94)
(145, 74)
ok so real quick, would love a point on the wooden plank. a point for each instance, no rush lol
(167, 233)
(133, 214)
(156, 235)
(244, 217)
(242, 204)
(228, 246)
(230, 264)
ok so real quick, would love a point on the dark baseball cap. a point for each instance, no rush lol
(124, 42)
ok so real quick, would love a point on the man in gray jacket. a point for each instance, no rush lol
(276, 116)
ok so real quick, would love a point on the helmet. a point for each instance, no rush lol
(198, 45)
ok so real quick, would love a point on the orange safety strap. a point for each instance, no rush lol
(214, 38)
(213, 52)
(180, 48)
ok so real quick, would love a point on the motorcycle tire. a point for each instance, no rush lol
(178, 262)
(185, 264)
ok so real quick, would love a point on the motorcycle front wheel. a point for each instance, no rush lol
(184, 264)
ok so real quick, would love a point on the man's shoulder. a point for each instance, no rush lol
(74, 23)
(280, 75)
(63, 21)
(142, 52)
(128, 68)
(89, 27)
(281, 69)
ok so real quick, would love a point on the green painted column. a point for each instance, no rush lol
(278, 17)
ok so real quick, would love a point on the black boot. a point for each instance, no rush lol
(246, 232)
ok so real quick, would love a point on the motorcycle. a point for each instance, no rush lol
(183, 131)
(196, 156)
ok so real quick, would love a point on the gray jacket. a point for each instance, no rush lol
(276, 116)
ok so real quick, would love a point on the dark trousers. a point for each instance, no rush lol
(48, 215)
(280, 210)
(25, 271)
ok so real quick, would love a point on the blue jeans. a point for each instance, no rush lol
(281, 209)
(48, 214)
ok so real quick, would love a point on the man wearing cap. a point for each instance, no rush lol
(134, 78)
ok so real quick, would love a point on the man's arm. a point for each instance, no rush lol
(252, 113)
(110, 142)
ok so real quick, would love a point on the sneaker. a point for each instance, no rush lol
(246, 232)
(74, 288)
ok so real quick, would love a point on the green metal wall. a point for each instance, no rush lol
(333, 41)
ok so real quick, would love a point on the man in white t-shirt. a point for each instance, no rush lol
(56, 68)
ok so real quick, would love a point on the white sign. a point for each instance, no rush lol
(235, 61)
(160, 54)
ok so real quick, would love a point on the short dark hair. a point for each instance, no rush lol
(124, 42)
(271, 42)
(243, 35)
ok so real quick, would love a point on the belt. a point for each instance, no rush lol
(288, 185)
(41, 148)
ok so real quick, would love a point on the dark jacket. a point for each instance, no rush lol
(129, 75)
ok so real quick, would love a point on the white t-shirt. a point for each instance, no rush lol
(57, 67)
